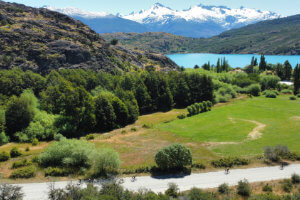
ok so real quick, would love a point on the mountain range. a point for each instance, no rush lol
(278, 36)
(197, 21)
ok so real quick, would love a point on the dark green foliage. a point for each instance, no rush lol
(20, 163)
(181, 116)
(244, 188)
(56, 171)
(19, 114)
(174, 157)
(11, 192)
(3, 138)
(198, 194)
(4, 156)
(223, 188)
(230, 162)
(268, 82)
(293, 98)
(295, 178)
(26, 172)
(15, 152)
(198, 108)
(296, 76)
(267, 188)
(198, 165)
(172, 190)
(287, 185)
(121, 111)
(262, 63)
(287, 71)
(114, 42)
(89, 137)
(270, 93)
(276, 153)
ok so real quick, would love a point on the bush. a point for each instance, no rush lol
(270, 94)
(298, 95)
(276, 153)
(244, 188)
(286, 91)
(197, 108)
(11, 192)
(198, 194)
(59, 137)
(223, 188)
(35, 142)
(21, 163)
(295, 178)
(267, 188)
(293, 98)
(56, 171)
(254, 89)
(4, 156)
(89, 137)
(198, 165)
(230, 162)
(269, 82)
(106, 161)
(3, 138)
(27, 149)
(15, 152)
(287, 185)
(26, 172)
(68, 153)
(181, 116)
(173, 157)
(133, 129)
(173, 190)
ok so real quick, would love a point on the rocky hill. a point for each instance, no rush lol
(278, 36)
(42, 40)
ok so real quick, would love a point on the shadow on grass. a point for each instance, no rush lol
(163, 174)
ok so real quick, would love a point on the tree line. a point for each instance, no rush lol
(75, 102)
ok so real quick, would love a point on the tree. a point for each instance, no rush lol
(105, 115)
(296, 77)
(173, 157)
(10, 192)
(288, 70)
(120, 111)
(19, 113)
(182, 93)
(263, 63)
(196, 67)
(114, 42)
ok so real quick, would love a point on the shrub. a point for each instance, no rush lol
(244, 188)
(133, 129)
(56, 171)
(269, 82)
(147, 125)
(15, 152)
(286, 91)
(295, 178)
(123, 131)
(26, 172)
(173, 157)
(4, 156)
(21, 163)
(287, 185)
(106, 161)
(267, 188)
(298, 95)
(275, 153)
(27, 149)
(172, 190)
(198, 194)
(230, 162)
(89, 137)
(11, 192)
(35, 159)
(197, 108)
(35, 142)
(223, 188)
(198, 165)
(181, 116)
(3, 138)
(58, 137)
(68, 153)
(254, 89)
(270, 94)
(293, 98)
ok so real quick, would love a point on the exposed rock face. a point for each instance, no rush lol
(42, 40)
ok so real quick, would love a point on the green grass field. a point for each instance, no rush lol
(280, 116)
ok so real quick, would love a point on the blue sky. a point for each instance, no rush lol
(284, 7)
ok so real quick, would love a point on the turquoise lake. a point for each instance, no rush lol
(234, 60)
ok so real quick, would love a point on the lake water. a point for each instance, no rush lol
(234, 60)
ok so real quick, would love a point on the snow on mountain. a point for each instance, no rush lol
(219, 14)
(79, 13)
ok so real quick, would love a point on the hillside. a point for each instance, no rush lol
(279, 36)
(41, 40)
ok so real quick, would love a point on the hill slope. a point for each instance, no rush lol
(41, 40)
(279, 36)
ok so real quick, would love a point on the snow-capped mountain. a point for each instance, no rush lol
(197, 21)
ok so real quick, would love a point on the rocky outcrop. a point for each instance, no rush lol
(42, 40)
